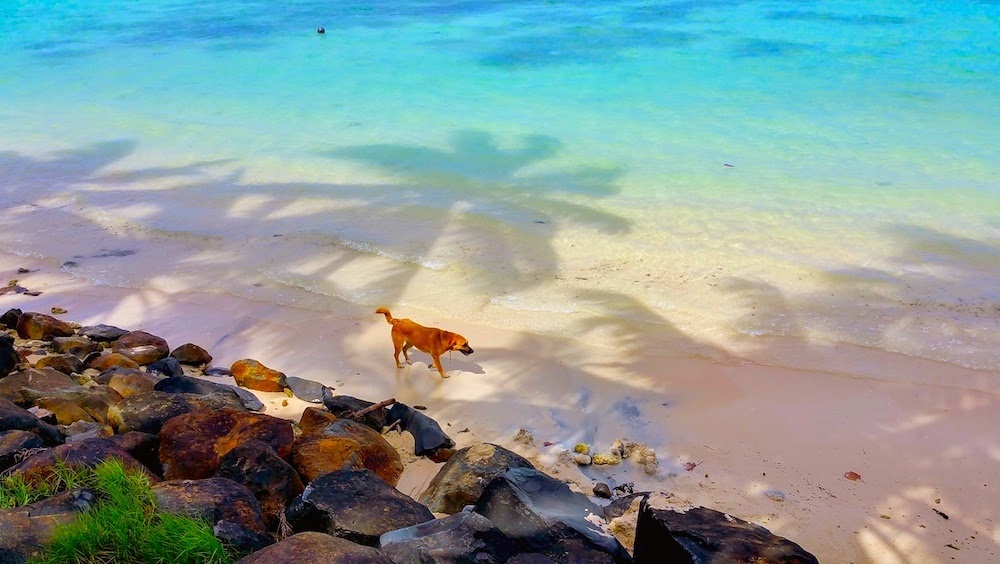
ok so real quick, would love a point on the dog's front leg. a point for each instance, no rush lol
(437, 363)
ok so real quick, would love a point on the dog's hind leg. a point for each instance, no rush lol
(406, 352)
(397, 342)
(437, 363)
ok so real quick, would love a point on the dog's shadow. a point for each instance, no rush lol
(452, 366)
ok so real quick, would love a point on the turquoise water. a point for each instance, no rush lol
(703, 174)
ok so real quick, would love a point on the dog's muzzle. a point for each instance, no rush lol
(466, 350)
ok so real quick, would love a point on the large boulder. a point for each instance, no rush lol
(13, 417)
(313, 417)
(190, 353)
(141, 347)
(428, 437)
(250, 373)
(342, 406)
(38, 326)
(226, 505)
(65, 411)
(356, 505)
(66, 363)
(83, 454)
(306, 390)
(544, 516)
(25, 530)
(9, 359)
(192, 444)
(325, 449)
(14, 443)
(76, 345)
(316, 548)
(462, 537)
(272, 481)
(190, 385)
(463, 478)
(26, 385)
(148, 412)
(699, 535)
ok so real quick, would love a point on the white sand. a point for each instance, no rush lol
(916, 431)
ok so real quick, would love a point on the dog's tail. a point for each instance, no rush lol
(385, 312)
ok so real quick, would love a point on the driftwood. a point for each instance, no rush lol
(357, 415)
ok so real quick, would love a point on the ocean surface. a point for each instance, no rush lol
(696, 177)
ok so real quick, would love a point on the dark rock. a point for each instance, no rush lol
(325, 449)
(602, 490)
(546, 517)
(9, 318)
(166, 367)
(306, 390)
(32, 325)
(191, 385)
(219, 372)
(272, 481)
(24, 531)
(622, 505)
(316, 548)
(313, 417)
(190, 353)
(625, 489)
(13, 417)
(14, 443)
(86, 454)
(141, 347)
(251, 374)
(213, 500)
(83, 430)
(28, 384)
(66, 363)
(144, 447)
(356, 505)
(102, 333)
(192, 444)
(9, 359)
(462, 479)
(427, 434)
(240, 538)
(462, 537)
(342, 405)
(106, 360)
(75, 345)
(149, 411)
(701, 535)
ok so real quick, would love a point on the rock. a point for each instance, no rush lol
(144, 447)
(427, 434)
(462, 537)
(76, 345)
(190, 385)
(582, 448)
(775, 495)
(213, 500)
(546, 517)
(189, 353)
(329, 448)
(106, 376)
(102, 333)
(106, 360)
(218, 372)
(702, 535)
(88, 453)
(95, 402)
(13, 417)
(165, 367)
(624, 505)
(192, 444)
(305, 390)
(238, 538)
(66, 411)
(462, 479)
(83, 430)
(9, 359)
(149, 411)
(66, 363)
(251, 374)
(606, 458)
(32, 325)
(270, 479)
(14, 443)
(316, 548)
(9, 318)
(24, 531)
(624, 489)
(602, 490)
(141, 347)
(356, 505)
(622, 515)
(313, 417)
(342, 405)
(129, 382)
(24, 386)
(524, 437)
(583, 459)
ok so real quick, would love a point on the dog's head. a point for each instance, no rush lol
(460, 344)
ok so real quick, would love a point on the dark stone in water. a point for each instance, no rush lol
(427, 434)
(306, 390)
(190, 385)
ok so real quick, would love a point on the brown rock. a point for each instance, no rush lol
(94, 401)
(66, 363)
(272, 481)
(88, 454)
(15, 442)
(106, 375)
(190, 353)
(144, 447)
(132, 382)
(251, 374)
(32, 325)
(66, 411)
(211, 499)
(106, 360)
(192, 444)
(316, 548)
(463, 478)
(141, 347)
(14, 417)
(24, 386)
(84, 430)
(24, 531)
(325, 449)
(148, 412)
(75, 345)
(314, 417)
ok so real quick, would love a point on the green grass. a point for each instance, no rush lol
(123, 526)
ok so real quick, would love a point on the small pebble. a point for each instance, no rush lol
(582, 459)
(602, 490)
(775, 495)
(582, 448)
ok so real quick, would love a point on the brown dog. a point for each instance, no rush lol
(431, 340)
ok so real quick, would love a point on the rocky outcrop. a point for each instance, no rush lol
(355, 505)
(463, 478)
(270, 479)
(316, 548)
(32, 325)
(699, 535)
(251, 374)
(190, 353)
(148, 412)
(141, 347)
(325, 449)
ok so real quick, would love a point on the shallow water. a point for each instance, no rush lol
(698, 175)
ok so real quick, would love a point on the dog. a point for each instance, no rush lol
(406, 334)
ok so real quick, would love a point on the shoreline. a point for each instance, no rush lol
(916, 430)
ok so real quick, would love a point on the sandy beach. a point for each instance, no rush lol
(922, 435)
